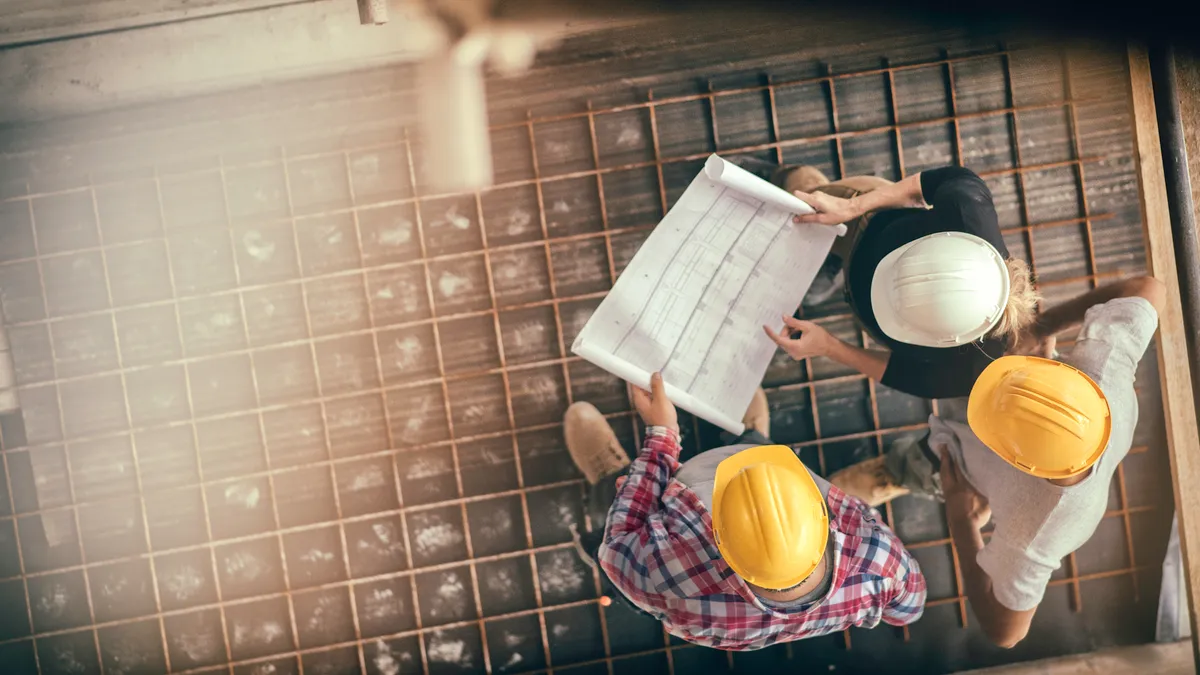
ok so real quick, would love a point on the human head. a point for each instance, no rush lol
(942, 290)
(1041, 416)
(769, 517)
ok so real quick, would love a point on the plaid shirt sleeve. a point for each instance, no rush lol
(907, 601)
(637, 542)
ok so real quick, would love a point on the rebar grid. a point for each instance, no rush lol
(436, 321)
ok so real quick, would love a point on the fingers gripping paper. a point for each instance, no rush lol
(725, 260)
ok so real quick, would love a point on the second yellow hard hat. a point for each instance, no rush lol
(770, 519)
(1041, 416)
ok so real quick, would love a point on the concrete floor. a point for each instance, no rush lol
(283, 408)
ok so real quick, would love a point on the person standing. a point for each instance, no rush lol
(925, 270)
(740, 547)
(1042, 441)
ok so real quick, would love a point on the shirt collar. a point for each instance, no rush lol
(839, 577)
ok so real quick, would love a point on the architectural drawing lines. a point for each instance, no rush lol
(707, 284)
(665, 268)
(738, 298)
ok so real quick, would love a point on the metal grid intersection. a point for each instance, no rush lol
(447, 379)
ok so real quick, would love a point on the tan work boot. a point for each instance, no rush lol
(869, 481)
(592, 442)
(758, 415)
(805, 179)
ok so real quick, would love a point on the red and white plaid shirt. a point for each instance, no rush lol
(660, 552)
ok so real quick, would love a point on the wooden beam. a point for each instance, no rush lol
(1183, 436)
(33, 21)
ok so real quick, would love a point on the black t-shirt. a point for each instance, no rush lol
(961, 202)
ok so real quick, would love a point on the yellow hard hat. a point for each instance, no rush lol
(1042, 416)
(769, 517)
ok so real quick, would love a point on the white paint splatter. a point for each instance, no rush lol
(557, 148)
(513, 639)
(517, 222)
(264, 669)
(385, 661)
(560, 576)
(450, 283)
(436, 537)
(428, 466)
(381, 604)
(332, 234)
(629, 136)
(542, 389)
(185, 583)
(443, 650)
(386, 542)
(245, 495)
(258, 248)
(316, 555)
(54, 601)
(513, 660)
(451, 598)
(268, 308)
(399, 234)
(560, 206)
(560, 629)
(385, 293)
(564, 515)
(408, 351)
(198, 647)
(502, 583)
(247, 566)
(64, 658)
(326, 606)
(264, 633)
(456, 219)
(111, 587)
(368, 480)
(474, 413)
(497, 524)
(512, 270)
(417, 419)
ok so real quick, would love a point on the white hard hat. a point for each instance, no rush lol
(941, 290)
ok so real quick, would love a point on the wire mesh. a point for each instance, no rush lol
(322, 425)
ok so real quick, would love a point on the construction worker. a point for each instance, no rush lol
(741, 547)
(925, 270)
(1042, 441)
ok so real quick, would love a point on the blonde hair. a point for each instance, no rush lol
(1023, 298)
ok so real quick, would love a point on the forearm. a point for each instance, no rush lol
(904, 194)
(977, 584)
(640, 495)
(1003, 626)
(1069, 314)
(869, 362)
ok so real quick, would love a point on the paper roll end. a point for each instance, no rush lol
(714, 166)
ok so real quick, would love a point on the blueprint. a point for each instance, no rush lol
(726, 260)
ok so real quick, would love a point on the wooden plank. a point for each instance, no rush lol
(1179, 410)
(30, 21)
(1173, 658)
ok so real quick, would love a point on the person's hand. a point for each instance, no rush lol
(813, 340)
(654, 407)
(830, 210)
(964, 505)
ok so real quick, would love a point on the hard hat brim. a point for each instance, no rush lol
(984, 391)
(783, 457)
(889, 319)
